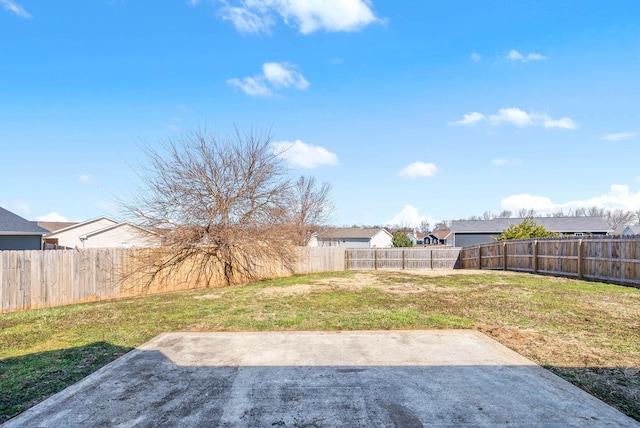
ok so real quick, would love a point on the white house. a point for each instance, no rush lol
(102, 232)
(352, 237)
(121, 235)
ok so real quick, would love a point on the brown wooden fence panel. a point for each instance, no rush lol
(402, 258)
(519, 256)
(615, 260)
(470, 258)
(39, 279)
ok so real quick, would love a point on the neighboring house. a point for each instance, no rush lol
(102, 232)
(352, 237)
(474, 232)
(631, 230)
(418, 238)
(52, 226)
(121, 235)
(441, 237)
(17, 233)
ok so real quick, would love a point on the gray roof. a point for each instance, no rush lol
(13, 224)
(553, 224)
(349, 232)
(634, 229)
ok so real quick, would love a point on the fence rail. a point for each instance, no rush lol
(40, 279)
(615, 260)
(401, 258)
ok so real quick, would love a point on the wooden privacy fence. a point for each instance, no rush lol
(401, 258)
(39, 279)
(615, 260)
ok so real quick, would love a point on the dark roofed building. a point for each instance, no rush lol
(475, 232)
(17, 233)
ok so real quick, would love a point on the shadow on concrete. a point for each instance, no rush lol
(618, 386)
(32, 378)
(179, 382)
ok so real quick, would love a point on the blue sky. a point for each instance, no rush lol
(412, 110)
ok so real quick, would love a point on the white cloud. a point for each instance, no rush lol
(516, 56)
(618, 197)
(469, 119)
(475, 57)
(517, 117)
(619, 136)
(85, 179)
(248, 21)
(418, 169)
(308, 16)
(505, 162)
(253, 86)
(275, 75)
(511, 115)
(284, 75)
(563, 123)
(299, 154)
(14, 7)
(409, 216)
(52, 216)
(516, 202)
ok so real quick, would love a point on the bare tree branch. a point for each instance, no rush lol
(223, 205)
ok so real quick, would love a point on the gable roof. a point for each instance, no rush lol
(13, 224)
(418, 235)
(84, 223)
(553, 224)
(117, 226)
(53, 226)
(634, 229)
(441, 234)
(350, 233)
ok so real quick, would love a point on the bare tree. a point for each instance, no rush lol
(527, 213)
(221, 203)
(505, 214)
(596, 212)
(424, 227)
(442, 225)
(310, 208)
(619, 217)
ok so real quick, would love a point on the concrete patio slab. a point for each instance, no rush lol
(440, 378)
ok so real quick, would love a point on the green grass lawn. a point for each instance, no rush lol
(586, 332)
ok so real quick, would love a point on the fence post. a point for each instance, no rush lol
(534, 256)
(346, 259)
(431, 258)
(479, 256)
(580, 261)
(504, 255)
(403, 259)
(375, 259)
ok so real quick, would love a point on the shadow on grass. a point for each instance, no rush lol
(29, 379)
